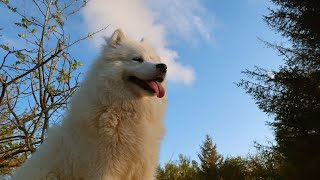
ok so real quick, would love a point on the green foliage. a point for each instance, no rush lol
(5, 47)
(5, 1)
(182, 169)
(264, 165)
(234, 168)
(38, 75)
(209, 159)
(20, 56)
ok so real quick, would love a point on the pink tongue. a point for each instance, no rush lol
(157, 87)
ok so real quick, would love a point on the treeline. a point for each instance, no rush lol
(211, 165)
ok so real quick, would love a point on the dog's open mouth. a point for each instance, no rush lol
(152, 86)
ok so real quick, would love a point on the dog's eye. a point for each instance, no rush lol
(138, 59)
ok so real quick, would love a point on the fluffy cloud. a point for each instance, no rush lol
(154, 20)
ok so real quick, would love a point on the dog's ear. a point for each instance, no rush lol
(117, 37)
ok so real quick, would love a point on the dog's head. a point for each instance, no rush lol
(132, 67)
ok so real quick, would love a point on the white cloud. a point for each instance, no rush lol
(153, 19)
(185, 19)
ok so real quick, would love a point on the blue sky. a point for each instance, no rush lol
(213, 104)
(207, 44)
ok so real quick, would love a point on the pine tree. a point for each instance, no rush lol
(209, 159)
(291, 95)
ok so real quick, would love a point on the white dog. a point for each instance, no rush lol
(114, 127)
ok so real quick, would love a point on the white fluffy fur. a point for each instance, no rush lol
(113, 129)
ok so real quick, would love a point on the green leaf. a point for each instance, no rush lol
(21, 25)
(5, 1)
(14, 9)
(51, 89)
(5, 47)
(22, 35)
(21, 56)
(59, 79)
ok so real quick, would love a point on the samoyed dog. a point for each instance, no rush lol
(114, 127)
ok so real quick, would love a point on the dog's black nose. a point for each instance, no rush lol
(162, 67)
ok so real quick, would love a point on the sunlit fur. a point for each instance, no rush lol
(113, 128)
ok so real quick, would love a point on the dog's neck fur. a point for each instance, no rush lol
(120, 133)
